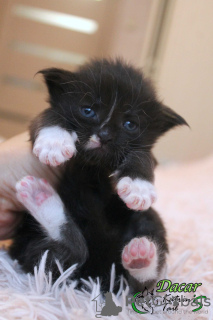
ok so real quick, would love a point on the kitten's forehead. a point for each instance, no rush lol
(117, 87)
(110, 76)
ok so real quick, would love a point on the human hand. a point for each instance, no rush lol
(17, 161)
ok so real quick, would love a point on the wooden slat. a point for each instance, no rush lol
(130, 29)
(9, 128)
(27, 102)
(26, 66)
(54, 37)
(84, 8)
(3, 8)
(19, 100)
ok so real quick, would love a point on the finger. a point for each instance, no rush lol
(8, 223)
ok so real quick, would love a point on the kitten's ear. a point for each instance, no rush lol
(57, 81)
(169, 119)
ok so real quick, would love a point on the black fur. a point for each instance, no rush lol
(99, 223)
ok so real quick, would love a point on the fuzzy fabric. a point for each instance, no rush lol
(185, 203)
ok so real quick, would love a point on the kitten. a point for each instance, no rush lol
(101, 125)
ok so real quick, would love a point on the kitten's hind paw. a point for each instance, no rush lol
(55, 145)
(137, 194)
(43, 203)
(32, 192)
(139, 257)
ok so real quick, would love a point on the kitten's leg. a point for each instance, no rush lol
(52, 143)
(133, 182)
(44, 204)
(144, 251)
(55, 145)
(138, 194)
(140, 258)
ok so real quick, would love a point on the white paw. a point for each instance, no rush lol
(43, 203)
(139, 257)
(137, 194)
(55, 145)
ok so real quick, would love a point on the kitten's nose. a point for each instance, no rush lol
(105, 135)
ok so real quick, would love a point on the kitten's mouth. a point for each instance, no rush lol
(96, 149)
(93, 143)
(97, 152)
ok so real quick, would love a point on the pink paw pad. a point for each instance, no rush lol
(138, 194)
(124, 188)
(23, 194)
(32, 192)
(41, 197)
(138, 253)
(67, 152)
(31, 178)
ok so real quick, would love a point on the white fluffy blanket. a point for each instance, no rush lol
(185, 202)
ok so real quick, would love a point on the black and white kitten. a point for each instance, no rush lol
(102, 123)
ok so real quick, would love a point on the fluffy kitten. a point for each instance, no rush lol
(102, 123)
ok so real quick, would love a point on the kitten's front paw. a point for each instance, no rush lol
(137, 194)
(55, 145)
(139, 257)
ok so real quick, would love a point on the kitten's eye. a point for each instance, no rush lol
(88, 112)
(130, 126)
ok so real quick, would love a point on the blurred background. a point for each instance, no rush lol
(172, 40)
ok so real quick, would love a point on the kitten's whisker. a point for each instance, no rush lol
(60, 115)
(136, 137)
(130, 80)
(101, 77)
(75, 117)
(69, 92)
(141, 103)
(92, 76)
(87, 93)
(139, 91)
(78, 81)
(142, 149)
(139, 134)
(142, 160)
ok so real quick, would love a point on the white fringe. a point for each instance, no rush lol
(24, 296)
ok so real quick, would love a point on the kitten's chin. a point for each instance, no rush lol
(101, 150)
(100, 156)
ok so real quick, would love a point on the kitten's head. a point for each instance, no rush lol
(111, 106)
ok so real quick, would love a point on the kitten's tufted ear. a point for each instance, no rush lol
(58, 82)
(169, 119)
